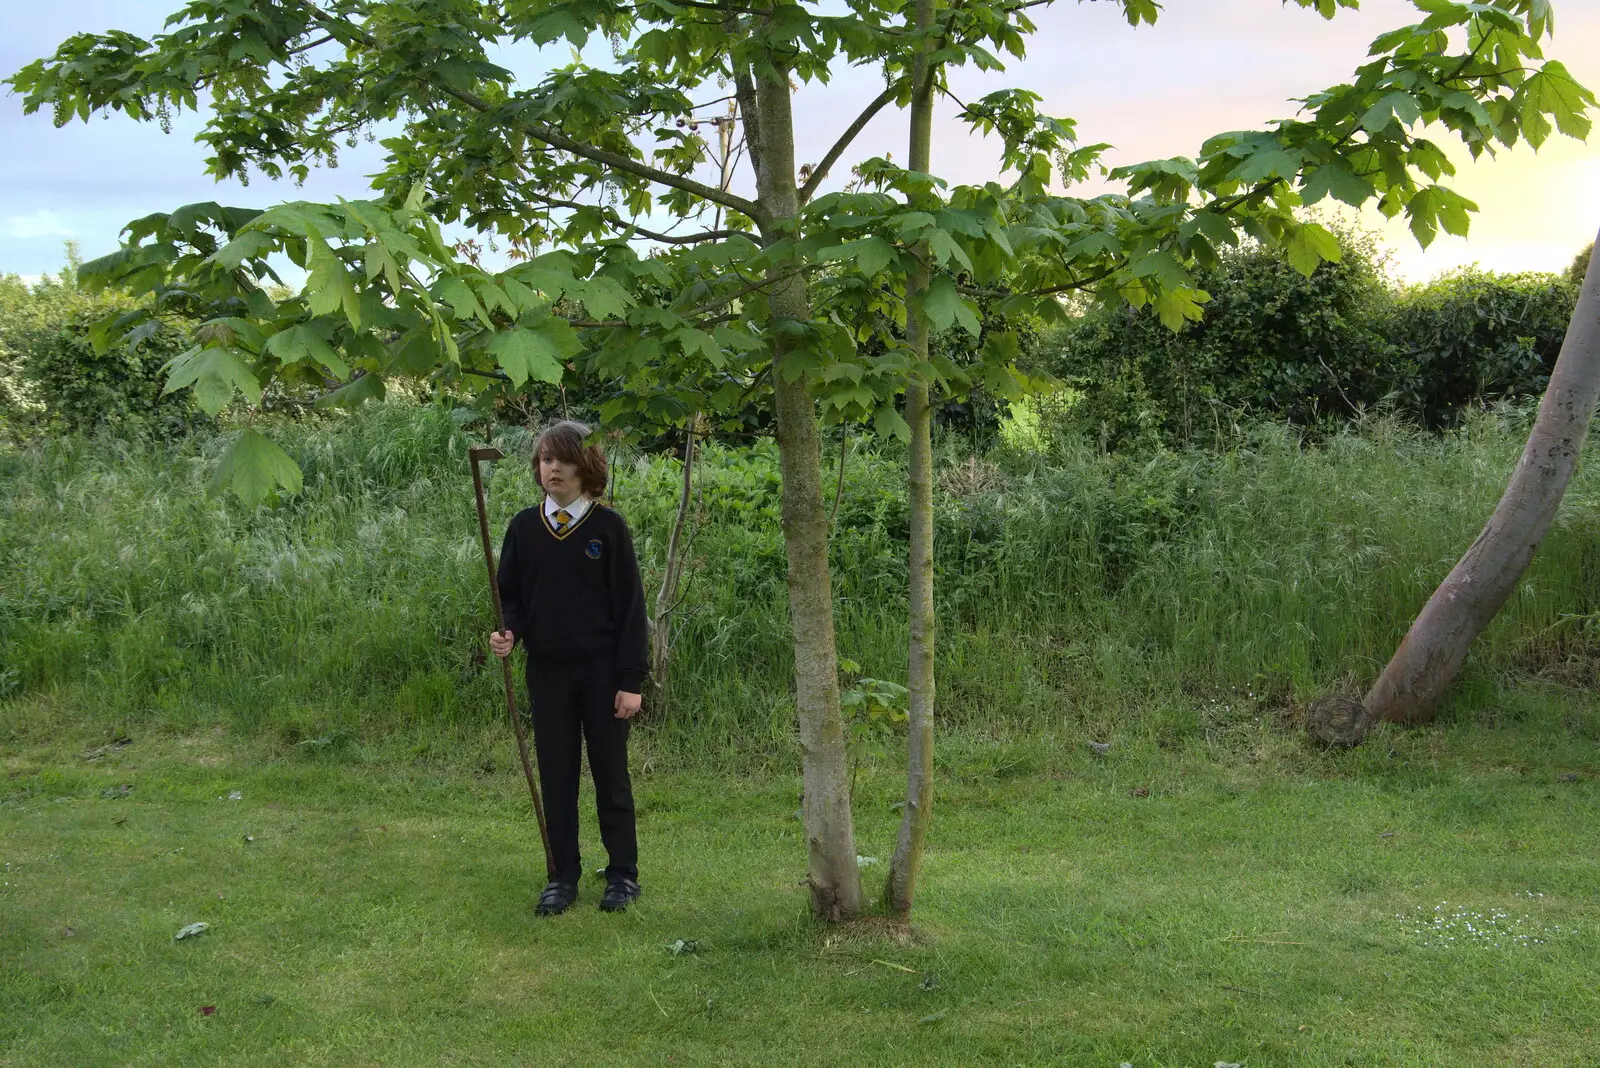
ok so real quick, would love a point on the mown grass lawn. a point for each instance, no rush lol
(1259, 904)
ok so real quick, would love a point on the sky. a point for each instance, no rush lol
(1158, 91)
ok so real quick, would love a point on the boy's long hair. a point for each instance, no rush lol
(565, 442)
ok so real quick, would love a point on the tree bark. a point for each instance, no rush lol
(830, 836)
(1423, 667)
(918, 813)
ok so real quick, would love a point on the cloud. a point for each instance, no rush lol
(41, 223)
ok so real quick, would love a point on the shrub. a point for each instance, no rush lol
(51, 378)
(1273, 342)
(1580, 265)
(1472, 337)
(1311, 351)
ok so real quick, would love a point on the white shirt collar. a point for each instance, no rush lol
(576, 509)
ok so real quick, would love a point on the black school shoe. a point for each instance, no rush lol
(620, 893)
(555, 899)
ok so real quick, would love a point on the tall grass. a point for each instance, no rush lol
(1074, 587)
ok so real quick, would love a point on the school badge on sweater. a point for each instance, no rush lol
(592, 550)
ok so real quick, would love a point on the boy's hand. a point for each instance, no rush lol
(627, 704)
(500, 643)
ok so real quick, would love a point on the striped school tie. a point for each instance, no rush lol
(563, 520)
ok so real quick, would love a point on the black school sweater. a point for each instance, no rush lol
(577, 596)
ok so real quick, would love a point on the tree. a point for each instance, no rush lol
(779, 292)
(1415, 679)
(915, 818)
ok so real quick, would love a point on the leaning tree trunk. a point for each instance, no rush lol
(918, 813)
(830, 836)
(1409, 689)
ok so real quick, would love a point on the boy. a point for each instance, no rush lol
(569, 583)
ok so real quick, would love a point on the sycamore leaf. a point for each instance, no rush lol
(494, 297)
(1391, 106)
(1163, 266)
(253, 467)
(248, 245)
(967, 316)
(353, 393)
(733, 338)
(303, 342)
(604, 297)
(376, 260)
(463, 301)
(1553, 92)
(1175, 306)
(1267, 163)
(536, 352)
(419, 189)
(888, 421)
(940, 302)
(1436, 206)
(524, 298)
(216, 374)
(694, 340)
(1337, 179)
(872, 254)
(329, 288)
(1309, 245)
(943, 248)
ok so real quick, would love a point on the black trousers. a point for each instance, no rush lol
(573, 703)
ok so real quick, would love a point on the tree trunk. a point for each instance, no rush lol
(918, 813)
(1423, 667)
(830, 836)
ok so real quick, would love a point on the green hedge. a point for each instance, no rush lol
(52, 380)
(1310, 351)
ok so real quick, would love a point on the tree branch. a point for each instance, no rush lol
(310, 45)
(749, 114)
(623, 224)
(845, 138)
(556, 139)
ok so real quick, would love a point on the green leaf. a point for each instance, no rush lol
(1267, 163)
(1336, 178)
(694, 340)
(1161, 265)
(329, 288)
(967, 316)
(604, 297)
(419, 189)
(253, 467)
(887, 421)
(943, 248)
(1309, 245)
(248, 245)
(463, 301)
(524, 298)
(730, 337)
(1396, 105)
(216, 374)
(536, 352)
(1552, 91)
(354, 393)
(940, 303)
(416, 354)
(872, 254)
(1174, 307)
(303, 342)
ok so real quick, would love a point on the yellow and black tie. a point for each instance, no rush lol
(563, 521)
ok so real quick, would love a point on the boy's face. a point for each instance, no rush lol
(558, 477)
